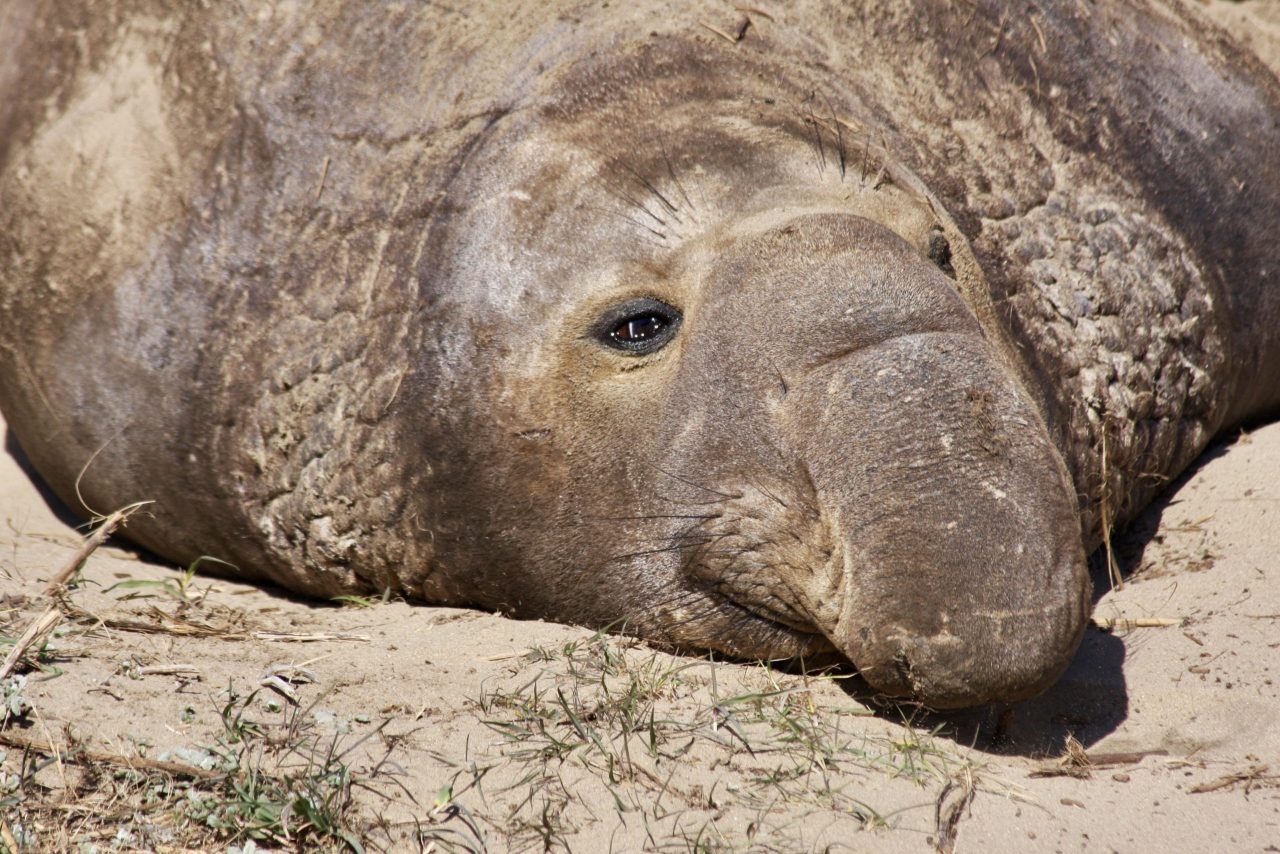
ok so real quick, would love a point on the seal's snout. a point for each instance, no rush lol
(937, 544)
(965, 581)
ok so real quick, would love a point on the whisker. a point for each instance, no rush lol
(660, 235)
(759, 488)
(812, 121)
(672, 209)
(655, 516)
(621, 194)
(690, 502)
(654, 551)
(679, 186)
(688, 482)
(839, 134)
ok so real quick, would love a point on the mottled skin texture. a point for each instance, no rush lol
(325, 283)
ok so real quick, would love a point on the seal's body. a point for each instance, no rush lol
(822, 328)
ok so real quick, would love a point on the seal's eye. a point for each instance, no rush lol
(642, 327)
(638, 327)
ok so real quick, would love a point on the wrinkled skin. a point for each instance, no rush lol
(334, 288)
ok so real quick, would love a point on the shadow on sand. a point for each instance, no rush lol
(50, 498)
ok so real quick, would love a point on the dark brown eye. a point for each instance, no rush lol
(638, 326)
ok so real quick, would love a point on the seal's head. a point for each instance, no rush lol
(732, 398)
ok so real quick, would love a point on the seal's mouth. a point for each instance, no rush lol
(771, 616)
(747, 628)
(779, 637)
(756, 557)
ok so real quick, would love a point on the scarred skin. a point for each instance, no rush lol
(332, 286)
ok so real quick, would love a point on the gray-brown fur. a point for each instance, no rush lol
(320, 282)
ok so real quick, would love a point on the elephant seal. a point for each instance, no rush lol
(820, 328)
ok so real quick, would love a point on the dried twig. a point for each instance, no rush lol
(280, 678)
(166, 624)
(324, 173)
(309, 637)
(6, 836)
(38, 628)
(751, 10)
(45, 623)
(1255, 774)
(738, 35)
(83, 756)
(1108, 624)
(1113, 566)
(90, 545)
(190, 629)
(169, 670)
(1074, 762)
(1131, 757)
(948, 810)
